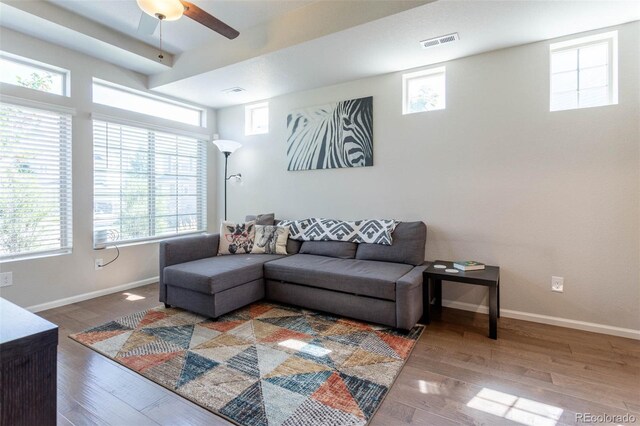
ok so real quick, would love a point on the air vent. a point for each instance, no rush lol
(234, 90)
(437, 41)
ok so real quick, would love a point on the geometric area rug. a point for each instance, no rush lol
(265, 364)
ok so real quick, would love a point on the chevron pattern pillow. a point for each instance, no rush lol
(297, 228)
(372, 231)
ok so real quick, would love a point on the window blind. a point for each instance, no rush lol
(147, 184)
(35, 181)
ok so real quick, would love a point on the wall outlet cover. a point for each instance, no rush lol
(557, 284)
(6, 279)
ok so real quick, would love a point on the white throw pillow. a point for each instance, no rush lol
(270, 239)
(236, 238)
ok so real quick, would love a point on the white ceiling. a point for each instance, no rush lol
(183, 34)
(391, 44)
(292, 45)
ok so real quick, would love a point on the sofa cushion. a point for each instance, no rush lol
(261, 219)
(409, 239)
(215, 274)
(293, 246)
(362, 277)
(340, 249)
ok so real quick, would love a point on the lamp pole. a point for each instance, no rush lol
(227, 147)
(226, 157)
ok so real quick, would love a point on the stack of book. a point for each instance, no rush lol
(468, 265)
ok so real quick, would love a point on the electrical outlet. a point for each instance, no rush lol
(6, 279)
(98, 264)
(557, 284)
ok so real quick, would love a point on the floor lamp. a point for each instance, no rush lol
(227, 147)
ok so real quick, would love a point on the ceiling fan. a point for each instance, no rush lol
(171, 10)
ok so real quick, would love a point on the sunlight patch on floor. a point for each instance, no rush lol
(305, 347)
(515, 408)
(133, 297)
(432, 388)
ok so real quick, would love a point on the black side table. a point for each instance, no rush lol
(489, 277)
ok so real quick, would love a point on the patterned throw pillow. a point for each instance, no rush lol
(236, 238)
(296, 227)
(372, 231)
(270, 240)
(376, 231)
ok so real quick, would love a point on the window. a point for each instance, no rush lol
(256, 119)
(423, 91)
(24, 72)
(144, 103)
(584, 72)
(147, 184)
(35, 182)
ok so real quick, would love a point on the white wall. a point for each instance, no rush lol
(49, 279)
(496, 177)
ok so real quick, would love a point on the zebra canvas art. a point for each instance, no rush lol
(331, 136)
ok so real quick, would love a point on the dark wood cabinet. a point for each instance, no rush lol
(28, 356)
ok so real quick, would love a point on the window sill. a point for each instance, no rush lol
(34, 256)
(583, 107)
(422, 112)
(143, 242)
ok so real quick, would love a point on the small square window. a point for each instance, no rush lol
(584, 72)
(423, 91)
(31, 74)
(256, 119)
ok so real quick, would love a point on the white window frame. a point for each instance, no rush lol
(250, 127)
(21, 60)
(611, 39)
(113, 86)
(406, 78)
(66, 185)
(101, 240)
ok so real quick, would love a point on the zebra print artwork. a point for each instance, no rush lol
(331, 136)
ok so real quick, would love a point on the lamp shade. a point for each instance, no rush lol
(225, 145)
(170, 9)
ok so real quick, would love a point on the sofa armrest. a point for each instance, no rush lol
(409, 297)
(185, 249)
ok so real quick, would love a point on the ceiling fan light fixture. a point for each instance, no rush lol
(171, 10)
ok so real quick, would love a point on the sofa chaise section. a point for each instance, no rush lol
(194, 277)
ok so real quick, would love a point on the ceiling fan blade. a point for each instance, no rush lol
(199, 15)
(147, 24)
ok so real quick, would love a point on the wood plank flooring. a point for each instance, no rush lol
(533, 374)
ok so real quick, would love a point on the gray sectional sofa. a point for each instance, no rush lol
(370, 282)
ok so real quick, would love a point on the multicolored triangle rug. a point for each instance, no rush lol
(265, 364)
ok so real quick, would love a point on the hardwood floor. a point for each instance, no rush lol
(533, 374)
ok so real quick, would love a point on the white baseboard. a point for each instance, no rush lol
(91, 295)
(545, 319)
(483, 309)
